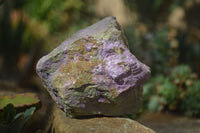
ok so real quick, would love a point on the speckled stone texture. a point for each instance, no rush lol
(94, 73)
(62, 124)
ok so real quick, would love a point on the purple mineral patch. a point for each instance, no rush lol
(94, 73)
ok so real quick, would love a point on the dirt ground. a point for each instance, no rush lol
(170, 123)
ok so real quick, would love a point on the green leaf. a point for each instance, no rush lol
(8, 114)
(19, 100)
(20, 120)
(28, 113)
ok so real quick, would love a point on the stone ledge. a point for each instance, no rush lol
(63, 124)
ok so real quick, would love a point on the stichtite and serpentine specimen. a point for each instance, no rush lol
(93, 73)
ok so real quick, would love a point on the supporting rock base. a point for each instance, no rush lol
(63, 124)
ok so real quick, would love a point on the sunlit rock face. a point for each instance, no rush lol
(94, 73)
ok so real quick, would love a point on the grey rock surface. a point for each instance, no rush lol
(93, 72)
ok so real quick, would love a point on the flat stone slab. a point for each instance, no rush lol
(93, 72)
(63, 124)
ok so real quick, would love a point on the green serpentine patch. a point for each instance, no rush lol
(78, 72)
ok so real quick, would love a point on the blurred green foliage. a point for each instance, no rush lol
(50, 20)
(151, 12)
(152, 48)
(10, 122)
(35, 27)
(178, 92)
(158, 40)
(164, 46)
(8, 114)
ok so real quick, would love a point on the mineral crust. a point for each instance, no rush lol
(93, 72)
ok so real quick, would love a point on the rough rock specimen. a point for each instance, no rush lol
(94, 73)
(62, 124)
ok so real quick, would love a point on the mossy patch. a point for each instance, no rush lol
(77, 71)
(110, 34)
(118, 50)
(114, 93)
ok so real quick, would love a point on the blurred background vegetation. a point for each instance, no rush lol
(164, 34)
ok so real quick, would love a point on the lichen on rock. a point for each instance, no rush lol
(94, 73)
